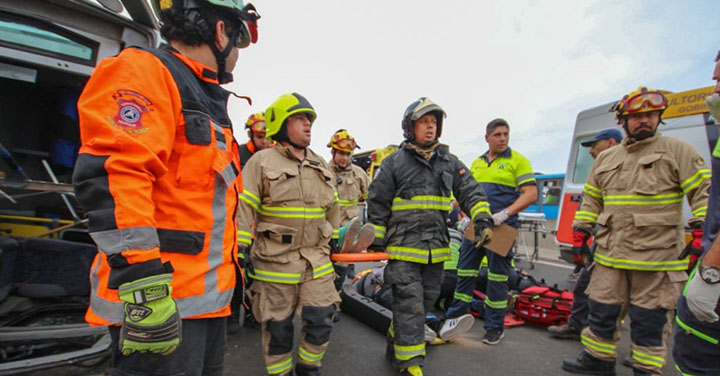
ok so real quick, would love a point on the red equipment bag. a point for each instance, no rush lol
(544, 305)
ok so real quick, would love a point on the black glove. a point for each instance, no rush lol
(243, 255)
(376, 248)
(334, 248)
(483, 233)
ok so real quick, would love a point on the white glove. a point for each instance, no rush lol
(702, 298)
(500, 217)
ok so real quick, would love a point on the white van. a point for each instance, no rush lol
(686, 117)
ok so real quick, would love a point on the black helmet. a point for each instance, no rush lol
(415, 111)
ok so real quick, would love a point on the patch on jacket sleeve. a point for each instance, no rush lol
(699, 162)
(131, 106)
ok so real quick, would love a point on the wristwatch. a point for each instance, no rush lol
(709, 274)
(507, 212)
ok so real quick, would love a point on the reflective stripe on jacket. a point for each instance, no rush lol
(352, 186)
(158, 176)
(295, 209)
(409, 203)
(634, 194)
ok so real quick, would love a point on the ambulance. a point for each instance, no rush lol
(686, 118)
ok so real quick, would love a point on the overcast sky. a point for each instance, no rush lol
(534, 63)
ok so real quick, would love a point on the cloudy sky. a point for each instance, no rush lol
(535, 63)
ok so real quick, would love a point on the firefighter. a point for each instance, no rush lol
(578, 319)
(158, 176)
(697, 330)
(507, 178)
(255, 126)
(289, 195)
(257, 139)
(351, 183)
(634, 196)
(408, 204)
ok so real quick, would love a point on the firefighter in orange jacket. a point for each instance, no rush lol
(289, 195)
(158, 176)
(634, 195)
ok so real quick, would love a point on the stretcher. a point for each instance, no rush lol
(359, 256)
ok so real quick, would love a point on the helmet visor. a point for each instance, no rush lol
(651, 100)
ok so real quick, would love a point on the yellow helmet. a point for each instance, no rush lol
(284, 107)
(343, 141)
(638, 101)
(256, 123)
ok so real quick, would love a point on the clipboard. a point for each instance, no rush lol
(503, 238)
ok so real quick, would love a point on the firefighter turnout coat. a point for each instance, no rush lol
(158, 176)
(352, 185)
(296, 212)
(409, 203)
(635, 196)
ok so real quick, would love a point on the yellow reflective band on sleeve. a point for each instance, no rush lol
(408, 254)
(409, 352)
(276, 277)
(336, 234)
(281, 367)
(480, 207)
(592, 190)
(648, 359)
(251, 199)
(586, 216)
(348, 203)
(499, 304)
(365, 196)
(606, 348)
(323, 270)
(668, 198)
(497, 277)
(308, 356)
(336, 198)
(700, 212)
(379, 231)
(628, 264)
(695, 332)
(462, 297)
(422, 203)
(695, 180)
(244, 237)
(524, 179)
(292, 212)
(467, 273)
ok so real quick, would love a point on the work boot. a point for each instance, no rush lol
(564, 331)
(455, 326)
(628, 361)
(493, 336)
(306, 370)
(587, 364)
(411, 371)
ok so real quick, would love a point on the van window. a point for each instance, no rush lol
(583, 163)
(34, 36)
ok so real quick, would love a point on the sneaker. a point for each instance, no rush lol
(347, 235)
(588, 365)
(430, 335)
(564, 331)
(412, 371)
(493, 336)
(455, 326)
(365, 237)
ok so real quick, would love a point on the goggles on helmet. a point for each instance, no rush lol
(256, 123)
(249, 32)
(343, 141)
(646, 101)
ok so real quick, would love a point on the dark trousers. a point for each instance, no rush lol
(415, 289)
(201, 353)
(580, 309)
(499, 269)
(693, 354)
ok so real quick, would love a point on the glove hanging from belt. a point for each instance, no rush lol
(581, 248)
(693, 250)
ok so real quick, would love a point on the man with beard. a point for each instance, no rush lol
(634, 195)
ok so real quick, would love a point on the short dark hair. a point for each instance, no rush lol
(195, 27)
(490, 128)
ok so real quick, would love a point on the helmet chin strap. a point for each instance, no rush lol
(642, 135)
(282, 136)
(221, 57)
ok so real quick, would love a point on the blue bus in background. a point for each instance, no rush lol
(549, 194)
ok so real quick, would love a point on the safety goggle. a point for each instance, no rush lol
(258, 127)
(346, 144)
(249, 33)
(645, 100)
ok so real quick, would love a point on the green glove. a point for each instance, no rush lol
(151, 321)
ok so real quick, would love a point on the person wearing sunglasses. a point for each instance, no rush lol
(634, 195)
(158, 175)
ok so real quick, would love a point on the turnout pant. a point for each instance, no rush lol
(276, 304)
(651, 296)
(580, 308)
(497, 288)
(415, 288)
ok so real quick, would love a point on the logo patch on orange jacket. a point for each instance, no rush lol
(131, 107)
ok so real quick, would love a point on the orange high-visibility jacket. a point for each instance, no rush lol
(158, 176)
